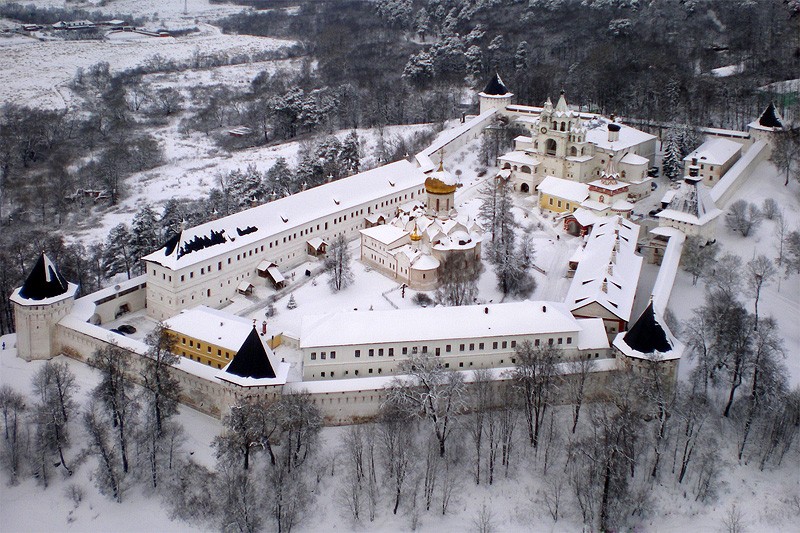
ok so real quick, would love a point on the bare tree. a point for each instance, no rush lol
(397, 445)
(54, 385)
(577, 374)
(115, 392)
(458, 278)
(535, 377)
(786, 153)
(697, 257)
(108, 475)
(733, 520)
(760, 272)
(429, 391)
(160, 394)
(337, 264)
(482, 400)
(483, 521)
(743, 217)
(12, 405)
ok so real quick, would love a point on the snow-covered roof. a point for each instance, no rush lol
(622, 205)
(770, 120)
(385, 233)
(608, 272)
(594, 205)
(662, 288)
(573, 191)
(609, 185)
(585, 217)
(259, 223)
(315, 242)
(425, 262)
(437, 323)
(519, 157)
(495, 87)
(211, 326)
(692, 204)
(632, 159)
(424, 159)
(593, 334)
(44, 282)
(597, 134)
(668, 196)
(715, 151)
(728, 181)
(649, 338)
(374, 218)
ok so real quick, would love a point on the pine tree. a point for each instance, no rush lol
(351, 148)
(171, 219)
(292, 304)
(672, 157)
(145, 237)
(521, 57)
(279, 179)
(118, 255)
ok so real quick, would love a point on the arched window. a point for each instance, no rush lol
(555, 125)
(507, 165)
(573, 151)
(583, 151)
(536, 145)
(526, 169)
(563, 126)
(622, 174)
(550, 147)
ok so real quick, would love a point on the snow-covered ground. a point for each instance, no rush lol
(36, 72)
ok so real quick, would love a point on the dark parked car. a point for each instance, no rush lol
(127, 329)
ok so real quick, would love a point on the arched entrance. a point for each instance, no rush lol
(524, 188)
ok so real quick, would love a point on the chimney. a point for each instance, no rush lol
(486, 310)
(264, 327)
(544, 309)
(613, 132)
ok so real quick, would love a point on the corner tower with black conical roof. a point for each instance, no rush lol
(495, 95)
(766, 126)
(44, 299)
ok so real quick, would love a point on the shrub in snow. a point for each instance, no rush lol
(769, 209)
(743, 217)
(422, 299)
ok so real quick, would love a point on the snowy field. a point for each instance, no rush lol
(36, 73)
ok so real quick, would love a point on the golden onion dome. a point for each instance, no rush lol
(415, 236)
(434, 185)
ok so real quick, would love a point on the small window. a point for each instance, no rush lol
(370, 371)
(371, 352)
(333, 355)
(560, 340)
(480, 346)
(471, 346)
(550, 342)
(358, 353)
(461, 364)
(494, 345)
(447, 348)
(424, 349)
(323, 355)
(380, 352)
(461, 347)
(391, 352)
(313, 356)
(438, 351)
(569, 340)
(505, 344)
(405, 350)
(322, 374)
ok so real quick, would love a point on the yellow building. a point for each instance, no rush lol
(560, 195)
(209, 336)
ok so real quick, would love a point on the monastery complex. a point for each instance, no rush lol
(584, 171)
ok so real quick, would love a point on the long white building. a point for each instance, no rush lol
(371, 343)
(206, 264)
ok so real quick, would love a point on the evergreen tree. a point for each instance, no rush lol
(350, 153)
(422, 23)
(292, 303)
(521, 57)
(279, 180)
(171, 219)
(145, 235)
(671, 160)
(118, 255)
